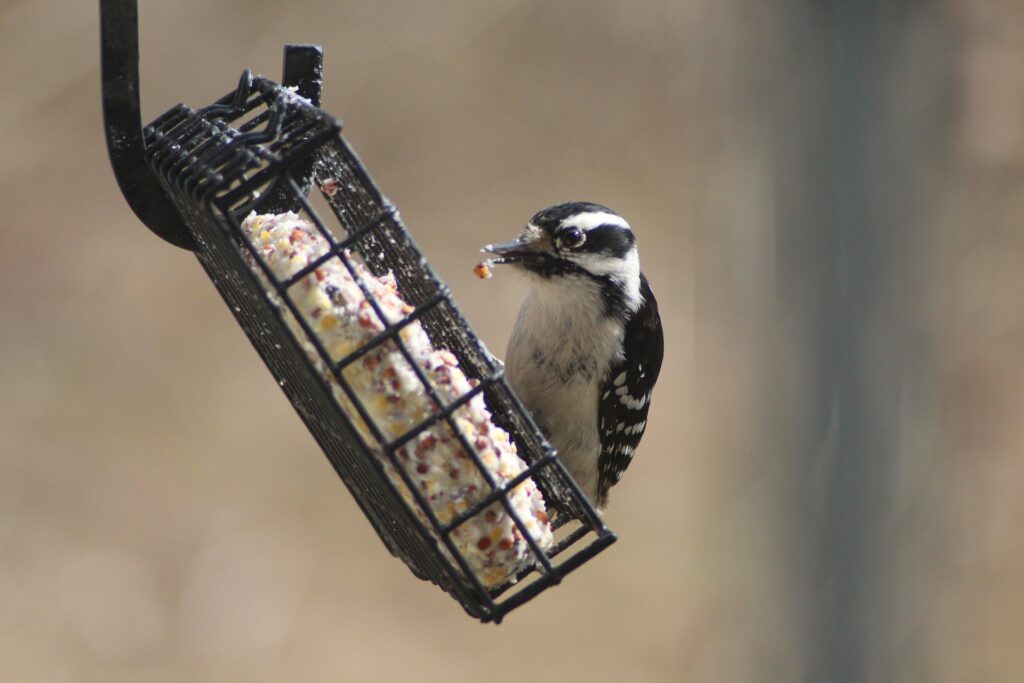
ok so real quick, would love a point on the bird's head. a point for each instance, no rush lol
(576, 242)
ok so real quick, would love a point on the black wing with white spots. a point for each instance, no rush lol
(625, 394)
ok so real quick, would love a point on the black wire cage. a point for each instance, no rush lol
(194, 175)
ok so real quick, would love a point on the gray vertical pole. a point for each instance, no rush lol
(845, 256)
(865, 230)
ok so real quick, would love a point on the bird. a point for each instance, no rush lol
(586, 348)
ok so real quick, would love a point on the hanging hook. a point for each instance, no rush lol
(119, 50)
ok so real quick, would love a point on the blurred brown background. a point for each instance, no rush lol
(164, 516)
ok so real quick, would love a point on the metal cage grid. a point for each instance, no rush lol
(262, 147)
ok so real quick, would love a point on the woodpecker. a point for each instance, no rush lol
(586, 348)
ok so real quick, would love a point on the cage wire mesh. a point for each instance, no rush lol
(261, 149)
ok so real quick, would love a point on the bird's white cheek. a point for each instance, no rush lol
(623, 270)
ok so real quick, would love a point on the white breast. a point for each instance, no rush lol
(559, 352)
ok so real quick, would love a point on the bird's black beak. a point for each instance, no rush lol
(523, 250)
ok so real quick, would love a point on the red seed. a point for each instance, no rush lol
(454, 473)
(484, 543)
(428, 441)
(505, 543)
(491, 516)
(320, 274)
(330, 187)
(482, 270)
(422, 468)
(480, 444)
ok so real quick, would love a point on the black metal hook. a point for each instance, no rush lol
(122, 118)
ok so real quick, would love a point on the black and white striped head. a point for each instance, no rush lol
(578, 243)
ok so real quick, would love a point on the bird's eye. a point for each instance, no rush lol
(571, 238)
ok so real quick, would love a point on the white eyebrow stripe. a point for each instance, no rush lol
(592, 219)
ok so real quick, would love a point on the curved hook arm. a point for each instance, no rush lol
(122, 119)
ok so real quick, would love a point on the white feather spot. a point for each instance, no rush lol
(621, 379)
(592, 219)
(630, 402)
